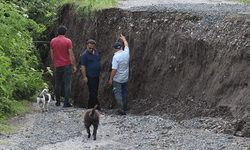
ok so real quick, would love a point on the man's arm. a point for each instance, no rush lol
(124, 40)
(72, 59)
(112, 76)
(85, 79)
(52, 54)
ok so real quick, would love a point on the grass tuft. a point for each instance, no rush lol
(86, 8)
(243, 1)
(21, 108)
(92, 4)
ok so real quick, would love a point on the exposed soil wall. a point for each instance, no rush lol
(178, 66)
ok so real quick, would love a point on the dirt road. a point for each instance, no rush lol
(63, 129)
(132, 3)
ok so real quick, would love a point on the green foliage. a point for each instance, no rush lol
(86, 8)
(92, 4)
(5, 128)
(19, 77)
(43, 12)
(19, 108)
(243, 1)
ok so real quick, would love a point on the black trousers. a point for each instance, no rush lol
(93, 84)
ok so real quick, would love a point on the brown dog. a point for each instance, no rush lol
(91, 117)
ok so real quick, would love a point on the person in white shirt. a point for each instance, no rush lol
(120, 74)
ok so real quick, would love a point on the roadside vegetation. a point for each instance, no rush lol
(244, 1)
(21, 69)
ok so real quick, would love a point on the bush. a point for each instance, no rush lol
(19, 77)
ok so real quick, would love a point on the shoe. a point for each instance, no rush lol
(120, 113)
(68, 105)
(125, 103)
(58, 104)
(120, 107)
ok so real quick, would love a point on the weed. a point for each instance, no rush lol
(21, 108)
(244, 1)
(86, 8)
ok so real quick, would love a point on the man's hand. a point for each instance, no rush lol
(74, 69)
(124, 40)
(122, 37)
(85, 79)
(111, 81)
(113, 72)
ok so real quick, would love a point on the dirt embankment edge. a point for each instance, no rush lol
(178, 66)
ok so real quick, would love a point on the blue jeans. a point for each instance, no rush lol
(66, 73)
(120, 90)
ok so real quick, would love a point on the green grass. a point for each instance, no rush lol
(21, 108)
(244, 1)
(95, 4)
(86, 8)
(5, 128)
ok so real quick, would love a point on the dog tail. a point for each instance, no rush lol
(44, 90)
(93, 111)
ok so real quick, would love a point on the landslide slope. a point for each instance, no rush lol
(184, 62)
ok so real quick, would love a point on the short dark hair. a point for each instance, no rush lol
(90, 41)
(61, 30)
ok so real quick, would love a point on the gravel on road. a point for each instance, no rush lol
(63, 128)
(125, 4)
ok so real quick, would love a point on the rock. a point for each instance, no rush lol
(239, 133)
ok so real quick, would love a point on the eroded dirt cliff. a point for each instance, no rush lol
(179, 66)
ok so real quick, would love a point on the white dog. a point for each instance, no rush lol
(43, 100)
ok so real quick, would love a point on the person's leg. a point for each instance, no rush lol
(58, 82)
(67, 84)
(124, 95)
(118, 96)
(93, 84)
(96, 90)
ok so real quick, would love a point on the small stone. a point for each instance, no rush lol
(239, 133)
(236, 143)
